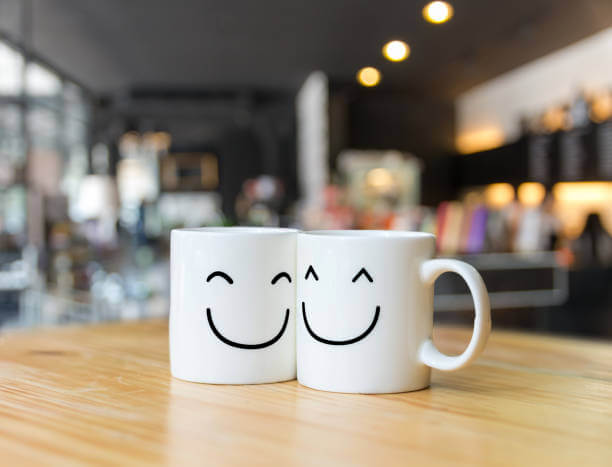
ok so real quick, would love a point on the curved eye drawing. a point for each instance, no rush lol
(363, 272)
(310, 271)
(279, 276)
(221, 274)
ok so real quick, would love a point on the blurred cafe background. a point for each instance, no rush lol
(488, 123)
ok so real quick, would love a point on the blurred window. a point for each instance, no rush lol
(41, 82)
(12, 144)
(43, 125)
(75, 104)
(11, 67)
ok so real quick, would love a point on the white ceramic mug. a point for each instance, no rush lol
(365, 306)
(232, 298)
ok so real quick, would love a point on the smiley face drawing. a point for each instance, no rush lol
(362, 274)
(222, 276)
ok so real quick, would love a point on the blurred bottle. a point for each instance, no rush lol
(578, 113)
(594, 245)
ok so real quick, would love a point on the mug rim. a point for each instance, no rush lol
(236, 230)
(369, 234)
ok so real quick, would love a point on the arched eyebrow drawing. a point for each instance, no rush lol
(310, 271)
(365, 273)
(280, 275)
(219, 274)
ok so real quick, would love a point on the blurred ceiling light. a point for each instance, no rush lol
(396, 51)
(481, 139)
(368, 76)
(498, 195)
(438, 12)
(531, 194)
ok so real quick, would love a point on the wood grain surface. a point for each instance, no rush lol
(103, 395)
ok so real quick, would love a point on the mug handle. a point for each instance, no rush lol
(428, 353)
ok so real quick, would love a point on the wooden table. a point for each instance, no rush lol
(103, 394)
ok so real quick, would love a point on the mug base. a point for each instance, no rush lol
(347, 390)
(236, 382)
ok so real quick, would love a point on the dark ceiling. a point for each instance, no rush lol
(111, 45)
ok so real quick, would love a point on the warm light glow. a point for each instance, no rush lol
(368, 76)
(438, 12)
(380, 180)
(601, 107)
(396, 51)
(556, 119)
(531, 194)
(583, 192)
(574, 201)
(498, 195)
(479, 140)
(159, 140)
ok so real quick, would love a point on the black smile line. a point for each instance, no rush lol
(225, 340)
(346, 342)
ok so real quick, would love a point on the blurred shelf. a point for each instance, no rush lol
(514, 280)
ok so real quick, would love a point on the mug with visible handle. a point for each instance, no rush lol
(232, 297)
(365, 311)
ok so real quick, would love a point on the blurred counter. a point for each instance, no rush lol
(103, 394)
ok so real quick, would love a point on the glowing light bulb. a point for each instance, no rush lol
(438, 12)
(368, 76)
(396, 51)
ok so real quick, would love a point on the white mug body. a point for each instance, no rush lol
(232, 317)
(364, 281)
(365, 311)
